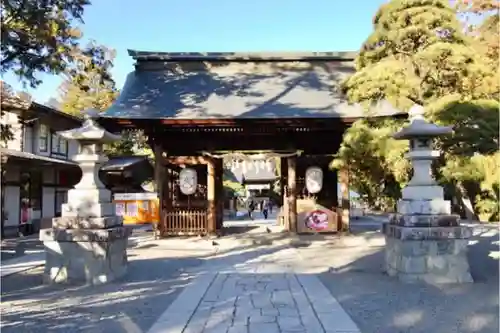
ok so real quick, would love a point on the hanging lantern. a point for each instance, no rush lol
(314, 179)
(188, 180)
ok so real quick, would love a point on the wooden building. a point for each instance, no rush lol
(196, 108)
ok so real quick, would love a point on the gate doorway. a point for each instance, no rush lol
(202, 211)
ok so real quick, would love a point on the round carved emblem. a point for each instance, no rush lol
(188, 180)
(317, 220)
(314, 179)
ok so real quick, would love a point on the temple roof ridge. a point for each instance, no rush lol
(243, 56)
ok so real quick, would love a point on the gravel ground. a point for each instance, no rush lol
(380, 304)
(131, 305)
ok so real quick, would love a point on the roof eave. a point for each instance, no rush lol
(242, 56)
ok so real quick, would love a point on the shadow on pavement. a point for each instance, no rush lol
(376, 302)
(381, 304)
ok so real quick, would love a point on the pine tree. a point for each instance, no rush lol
(419, 53)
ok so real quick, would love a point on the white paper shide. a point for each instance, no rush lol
(314, 179)
(188, 180)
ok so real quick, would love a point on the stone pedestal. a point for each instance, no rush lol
(92, 256)
(433, 255)
(424, 241)
(88, 244)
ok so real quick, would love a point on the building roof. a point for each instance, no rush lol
(238, 86)
(21, 155)
(241, 56)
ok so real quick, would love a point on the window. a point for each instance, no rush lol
(59, 145)
(43, 138)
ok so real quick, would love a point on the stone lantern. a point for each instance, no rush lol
(88, 243)
(424, 241)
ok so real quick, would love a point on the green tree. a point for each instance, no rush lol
(39, 36)
(379, 175)
(482, 21)
(88, 84)
(418, 53)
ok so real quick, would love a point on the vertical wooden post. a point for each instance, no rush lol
(212, 209)
(292, 193)
(219, 192)
(284, 192)
(345, 200)
(158, 153)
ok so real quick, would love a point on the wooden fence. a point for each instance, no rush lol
(185, 222)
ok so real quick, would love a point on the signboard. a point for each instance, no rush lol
(188, 180)
(120, 209)
(137, 208)
(317, 220)
(132, 209)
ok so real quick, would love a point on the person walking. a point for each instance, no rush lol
(265, 208)
(250, 208)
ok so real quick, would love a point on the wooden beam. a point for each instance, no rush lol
(219, 193)
(189, 160)
(211, 142)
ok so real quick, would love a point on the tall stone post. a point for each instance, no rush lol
(424, 241)
(88, 243)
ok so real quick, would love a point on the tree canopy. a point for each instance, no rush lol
(39, 36)
(88, 84)
(420, 53)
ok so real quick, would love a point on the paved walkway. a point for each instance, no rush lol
(255, 303)
(263, 290)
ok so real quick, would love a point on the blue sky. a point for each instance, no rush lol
(219, 25)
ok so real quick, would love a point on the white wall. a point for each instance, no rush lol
(48, 201)
(11, 202)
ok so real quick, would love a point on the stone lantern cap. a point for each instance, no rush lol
(90, 131)
(419, 127)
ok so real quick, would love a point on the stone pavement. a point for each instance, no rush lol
(255, 303)
(262, 290)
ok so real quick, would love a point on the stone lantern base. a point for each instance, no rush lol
(85, 250)
(433, 254)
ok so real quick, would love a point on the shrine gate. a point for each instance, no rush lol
(199, 110)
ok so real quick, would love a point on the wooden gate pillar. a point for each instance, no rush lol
(345, 200)
(219, 192)
(292, 193)
(159, 227)
(284, 193)
(212, 207)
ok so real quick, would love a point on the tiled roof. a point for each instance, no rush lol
(237, 86)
